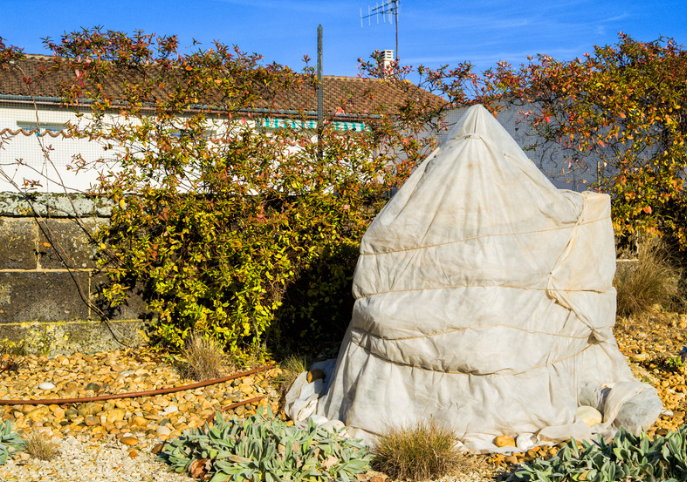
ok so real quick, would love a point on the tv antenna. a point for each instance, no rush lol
(387, 10)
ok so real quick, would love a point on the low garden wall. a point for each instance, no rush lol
(49, 281)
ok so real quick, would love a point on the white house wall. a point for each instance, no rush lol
(42, 157)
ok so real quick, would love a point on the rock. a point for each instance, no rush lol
(164, 431)
(319, 419)
(46, 386)
(114, 415)
(333, 425)
(27, 408)
(169, 410)
(158, 448)
(38, 414)
(131, 441)
(133, 454)
(315, 374)
(93, 387)
(91, 421)
(139, 421)
(504, 441)
(589, 415)
(639, 357)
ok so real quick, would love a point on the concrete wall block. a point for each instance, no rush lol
(67, 236)
(54, 205)
(17, 243)
(133, 309)
(64, 338)
(42, 296)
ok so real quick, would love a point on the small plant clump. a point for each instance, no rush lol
(10, 442)
(264, 448)
(204, 357)
(626, 458)
(652, 279)
(424, 451)
(39, 447)
(291, 368)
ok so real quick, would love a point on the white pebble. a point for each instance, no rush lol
(171, 409)
(46, 386)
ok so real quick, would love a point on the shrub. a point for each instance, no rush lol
(38, 446)
(424, 451)
(652, 279)
(204, 358)
(263, 448)
(225, 226)
(10, 442)
(616, 114)
(627, 457)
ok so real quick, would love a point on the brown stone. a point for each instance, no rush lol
(158, 448)
(58, 413)
(39, 414)
(504, 441)
(131, 441)
(139, 421)
(133, 454)
(114, 415)
(315, 374)
(91, 421)
(27, 408)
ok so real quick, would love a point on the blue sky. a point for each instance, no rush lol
(430, 32)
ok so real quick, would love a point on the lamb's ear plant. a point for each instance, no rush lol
(10, 442)
(264, 448)
(627, 457)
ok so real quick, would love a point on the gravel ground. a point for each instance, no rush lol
(114, 440)
(83, 460)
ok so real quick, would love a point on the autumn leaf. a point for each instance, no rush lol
(198, 469)
(329, 462)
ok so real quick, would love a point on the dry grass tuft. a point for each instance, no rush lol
(205, 359)
(425, 451)
(651, 280)
(11, 356)
(39, 447)
(291, 367)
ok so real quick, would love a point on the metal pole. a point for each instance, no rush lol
(320, 93)
(396, 18)
(320, 97)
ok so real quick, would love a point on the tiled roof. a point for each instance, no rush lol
(351, 96)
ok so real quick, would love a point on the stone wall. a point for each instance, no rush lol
(49, 280)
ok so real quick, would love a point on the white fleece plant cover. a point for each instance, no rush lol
(484, 300)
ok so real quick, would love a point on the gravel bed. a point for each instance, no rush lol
(83, 460)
